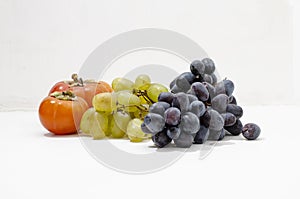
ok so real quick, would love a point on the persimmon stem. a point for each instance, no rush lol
(76, 80)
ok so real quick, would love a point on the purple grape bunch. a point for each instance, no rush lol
(197, 109)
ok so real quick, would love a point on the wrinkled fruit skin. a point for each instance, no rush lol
(251, 131)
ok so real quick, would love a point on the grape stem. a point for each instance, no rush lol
(142, 93)
(207, 104)
(141, 107)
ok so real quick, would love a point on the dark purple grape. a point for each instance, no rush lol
(216, 134)
(235, 129)
(181, 101)
(154, 122)
(207, 78)
(226, 132)
(229, 119)
(220, 88)
(164, 104)
(225, 87)
(146, 130)
(161, 139)
(172, 84)
(201, 135)
(159, 108)
(216, 120)
(176, 89)
(173, 132)
(209, 65)
(251, 131)
(205, 119)
(210, 88)
(222, 135)
(229, 87)
(166, 97)
(191, 92)
(200, 91)
(183, 83)
(172, 116)
(232, 100)
(220, 103)
(189, 123)
(184, 140)
(199, 78)
(198, 108)
(197, 67)
(215, 79)
(190, 77)
(192, 98)
(235, 110)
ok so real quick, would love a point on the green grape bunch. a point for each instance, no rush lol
(121, 113)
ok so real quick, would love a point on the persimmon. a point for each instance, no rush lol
(86, 89)
(61, 112)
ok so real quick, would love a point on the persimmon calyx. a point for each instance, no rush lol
(64, 95)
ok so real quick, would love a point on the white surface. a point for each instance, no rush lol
(46, 41)
(36, 165)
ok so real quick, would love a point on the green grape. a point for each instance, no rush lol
(108, 131)
(109, 118)
(128, 101)
(85, 121)
(154, 90)
(119, 124)
(120, 84)
(142, 82)
(94, 123)
(134, 131)
(104, 102)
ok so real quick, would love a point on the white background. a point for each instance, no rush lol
(254, 42)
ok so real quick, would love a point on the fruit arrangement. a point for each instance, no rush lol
(198, 108)
(120, 113)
